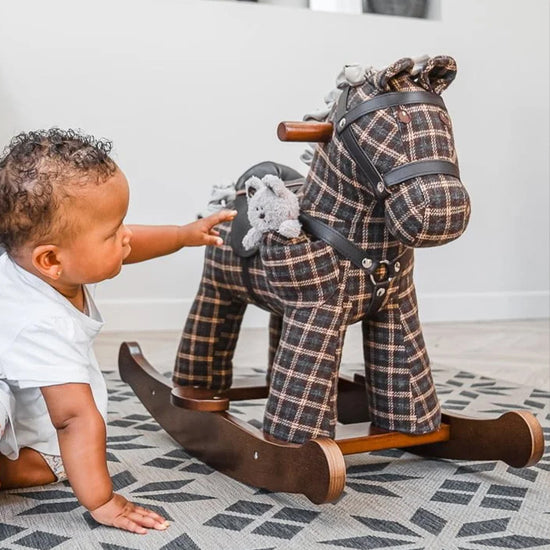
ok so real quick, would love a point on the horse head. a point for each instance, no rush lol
(392, 135)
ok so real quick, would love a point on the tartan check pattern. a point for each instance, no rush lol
(304, 273)
(399, 380)
(313, 293)
(424, 211)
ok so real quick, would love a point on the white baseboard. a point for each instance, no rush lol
(165, 314)
(484, 306)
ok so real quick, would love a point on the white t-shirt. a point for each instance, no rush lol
(44, 341)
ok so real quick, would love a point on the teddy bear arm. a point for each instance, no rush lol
(290, 228)
(252, 238)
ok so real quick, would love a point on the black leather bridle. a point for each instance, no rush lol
(381, 184)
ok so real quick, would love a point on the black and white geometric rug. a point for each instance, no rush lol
(392, 499)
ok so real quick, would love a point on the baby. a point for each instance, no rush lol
(63, 201)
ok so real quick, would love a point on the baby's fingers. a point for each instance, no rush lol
(221, 216)
(127, 524)
(213, 241)
(159, 521)
(146, 521)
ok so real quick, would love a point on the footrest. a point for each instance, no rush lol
(362, 438)
(196, 398)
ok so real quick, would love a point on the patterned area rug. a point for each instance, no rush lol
(392, 499)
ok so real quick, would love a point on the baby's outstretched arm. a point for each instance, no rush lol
(82, 440)
(152, 241)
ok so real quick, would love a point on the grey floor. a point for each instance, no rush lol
(392, 499)
(516, 351)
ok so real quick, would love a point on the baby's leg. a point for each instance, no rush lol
(28, 470)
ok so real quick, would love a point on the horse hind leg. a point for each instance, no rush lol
(207, 345)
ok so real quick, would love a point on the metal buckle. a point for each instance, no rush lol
(387, 279)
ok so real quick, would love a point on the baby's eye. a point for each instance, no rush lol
(115, 233)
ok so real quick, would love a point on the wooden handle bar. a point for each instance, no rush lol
(305, 131)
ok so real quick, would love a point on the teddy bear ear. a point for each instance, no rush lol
(252, 185)
(275, 184)
(438, 73)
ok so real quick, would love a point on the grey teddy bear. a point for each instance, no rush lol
(271, 207)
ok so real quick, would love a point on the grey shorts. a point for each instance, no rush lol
(56, 466)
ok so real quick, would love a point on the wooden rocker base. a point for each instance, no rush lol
(200, 423)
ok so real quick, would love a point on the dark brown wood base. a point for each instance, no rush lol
(233, 447)
(198, 420)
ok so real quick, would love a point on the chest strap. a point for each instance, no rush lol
(360, 258)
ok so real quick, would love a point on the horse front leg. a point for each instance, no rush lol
(302, 396)
(400, 390)
(207, 345)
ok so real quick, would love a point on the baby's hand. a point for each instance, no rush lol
(118, 512)
(202, 232)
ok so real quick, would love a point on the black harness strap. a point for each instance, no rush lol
(360, 259)
(374, 178)
(420, 168)
(383, 101)
(347, 248)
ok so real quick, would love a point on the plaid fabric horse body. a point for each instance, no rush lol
(406, 194)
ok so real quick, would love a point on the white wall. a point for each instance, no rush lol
(191, 93)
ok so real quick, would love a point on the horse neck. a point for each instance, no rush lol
(341, 202)
(337, 192)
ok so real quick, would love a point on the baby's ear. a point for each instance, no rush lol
(252, 185)
(46, 260)
(382, 78)
(438, 73)
(276, 185)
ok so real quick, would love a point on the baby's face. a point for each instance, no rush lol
(102, 241)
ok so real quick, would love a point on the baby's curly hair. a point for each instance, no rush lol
(37, 170)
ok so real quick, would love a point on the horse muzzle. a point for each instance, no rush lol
(428, 211)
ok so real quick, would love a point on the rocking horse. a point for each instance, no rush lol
(383, 179)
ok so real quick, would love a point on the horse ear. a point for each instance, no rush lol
(401, 66)
(252, 185)
(438, 73)
(275, 184)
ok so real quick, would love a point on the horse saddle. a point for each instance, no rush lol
(240, 224)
